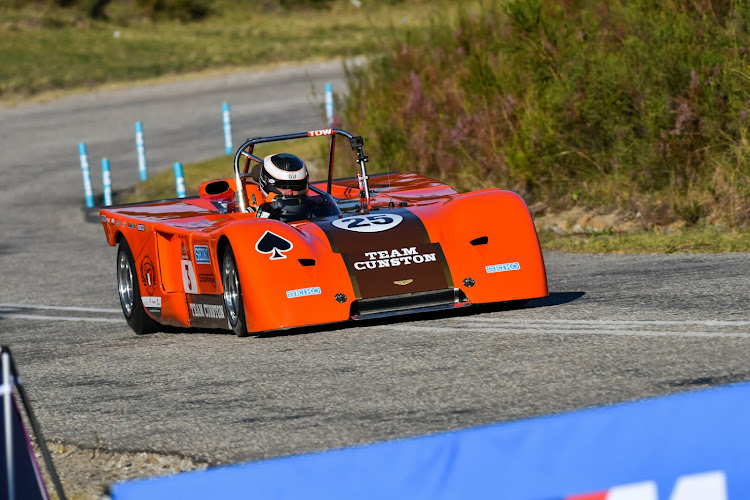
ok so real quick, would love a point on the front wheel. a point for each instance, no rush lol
(230, 279)
(130, 292)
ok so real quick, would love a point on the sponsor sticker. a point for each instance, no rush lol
(318, 133)
(499, 268)
(152, 305)
(104, 218)
(393, 258)
(131, 225)
(303, 292)
(368, 223)
(151, 301)
(202, 256)
(141, 227)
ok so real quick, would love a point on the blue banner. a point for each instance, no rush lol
(690, 446)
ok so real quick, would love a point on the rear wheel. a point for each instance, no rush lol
(130, 292)
(230, 279)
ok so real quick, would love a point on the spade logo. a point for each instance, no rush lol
(273, 244)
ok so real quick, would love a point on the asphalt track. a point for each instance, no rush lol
(614, 328)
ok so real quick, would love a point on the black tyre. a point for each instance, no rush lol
(130, 292)
(230, 280)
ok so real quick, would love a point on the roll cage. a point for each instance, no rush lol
(356, 143)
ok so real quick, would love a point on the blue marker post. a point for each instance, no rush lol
(107, 182)
(140, 147)
(179, 180)
(227, 118)
(329, 104)
(86, 174)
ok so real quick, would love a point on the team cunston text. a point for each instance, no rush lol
(393, 258)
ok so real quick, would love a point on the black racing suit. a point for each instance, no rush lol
(295, 208)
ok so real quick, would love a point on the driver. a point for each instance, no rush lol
(283, 181)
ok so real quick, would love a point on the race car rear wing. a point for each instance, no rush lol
(356, 143)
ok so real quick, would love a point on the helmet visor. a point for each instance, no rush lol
(291, 188)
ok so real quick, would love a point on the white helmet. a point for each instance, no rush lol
(283, 174)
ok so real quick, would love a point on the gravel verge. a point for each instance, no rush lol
(87, 473)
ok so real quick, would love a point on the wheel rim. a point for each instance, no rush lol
(125, 284)
(231, 289)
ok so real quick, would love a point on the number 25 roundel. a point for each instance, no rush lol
(369, 223)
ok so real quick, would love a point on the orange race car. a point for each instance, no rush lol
(268, 250)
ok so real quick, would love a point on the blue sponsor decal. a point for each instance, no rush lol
(303, 292)
(201, 254)
(499, 268)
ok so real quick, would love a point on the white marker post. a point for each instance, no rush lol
(227, 119)
(179, 180)
(140, 147)
(86, 174)
(329, 104)
(107, 182)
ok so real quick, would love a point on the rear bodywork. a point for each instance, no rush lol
(408, 244)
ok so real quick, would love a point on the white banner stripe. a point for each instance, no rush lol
(59, 308)
(59, 318)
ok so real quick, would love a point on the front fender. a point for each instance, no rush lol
(489, 239)
(288, 277)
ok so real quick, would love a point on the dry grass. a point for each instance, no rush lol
(709, 239)
(43, 49)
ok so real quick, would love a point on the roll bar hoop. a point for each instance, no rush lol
(356, 142)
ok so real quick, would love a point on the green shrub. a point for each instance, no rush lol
(294, 4)
(91, 8)
(184, 10)
(633, 104)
